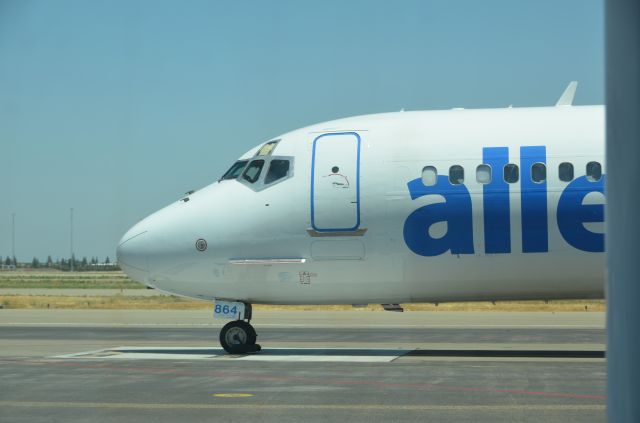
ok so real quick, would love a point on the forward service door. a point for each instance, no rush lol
(335, 182)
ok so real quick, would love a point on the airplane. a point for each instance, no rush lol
(391, 208)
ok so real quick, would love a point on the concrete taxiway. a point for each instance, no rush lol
(315, 366)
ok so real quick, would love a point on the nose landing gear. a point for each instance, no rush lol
(239, 336)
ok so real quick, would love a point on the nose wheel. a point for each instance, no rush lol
(239, 337)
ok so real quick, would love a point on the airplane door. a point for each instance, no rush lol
(335, 182)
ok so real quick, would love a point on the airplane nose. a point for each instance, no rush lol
(132, 253)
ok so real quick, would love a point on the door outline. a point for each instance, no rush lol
(313, 168)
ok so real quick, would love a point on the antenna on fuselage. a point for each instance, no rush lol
(566, 99)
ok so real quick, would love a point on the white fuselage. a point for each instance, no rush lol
(356, 219)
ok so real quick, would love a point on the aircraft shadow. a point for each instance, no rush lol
(508, 353)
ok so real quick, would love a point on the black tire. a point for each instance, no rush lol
(237, 337)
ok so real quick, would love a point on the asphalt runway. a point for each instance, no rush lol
(327, 366)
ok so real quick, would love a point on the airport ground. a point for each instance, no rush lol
(53, 289)
(329, 366)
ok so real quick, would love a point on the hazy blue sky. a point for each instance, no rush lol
(116, 108)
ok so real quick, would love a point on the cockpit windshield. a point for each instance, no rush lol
(235, 170)
(253, 171)
(261, 172)
(278, 169)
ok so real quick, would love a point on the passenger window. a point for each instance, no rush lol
(483, 174)
(456, 175)
(429, 176)
(594, 171)
(565, 172)
(252, 173)
(235, 170)
(278, 169)
(538, 173)
(511, 173)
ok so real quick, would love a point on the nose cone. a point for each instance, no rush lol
(133, 252)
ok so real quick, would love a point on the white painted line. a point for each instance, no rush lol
(82, 354)
(147, 348)
(161, 356)
(320, 358)
(357, 355)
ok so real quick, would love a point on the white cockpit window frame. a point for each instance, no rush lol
(259, 183)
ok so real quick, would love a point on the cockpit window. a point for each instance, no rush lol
(268, 148)
(266, 171)
(235, 170)
(252, 173)
(278, 169)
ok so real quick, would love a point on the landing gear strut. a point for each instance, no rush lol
(239, 336)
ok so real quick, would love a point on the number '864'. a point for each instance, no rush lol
(220, 309)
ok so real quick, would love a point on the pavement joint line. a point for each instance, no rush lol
(311, 325)
(324, 407)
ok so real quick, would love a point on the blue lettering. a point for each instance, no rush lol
(497, 225)
(456, 211)
(572, 214)
(535, 232)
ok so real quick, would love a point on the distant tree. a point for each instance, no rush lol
(35, 263)
(7, 261)
(107, 261)
(15, 262)
(84, 262)
(49, 261)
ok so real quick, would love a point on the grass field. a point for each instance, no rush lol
(115, 302)
(120, 302)
(118, 280)
(62, 280)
